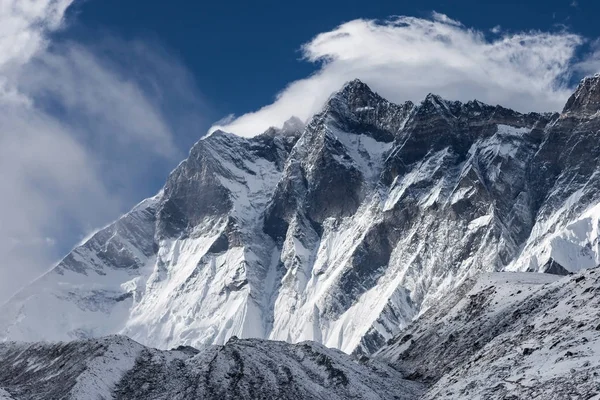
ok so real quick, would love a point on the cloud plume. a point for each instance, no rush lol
(405, 58)
(84, 128)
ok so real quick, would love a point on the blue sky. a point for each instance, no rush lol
(243, 53)
(102, 98)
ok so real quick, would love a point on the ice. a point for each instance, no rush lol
(479, 222)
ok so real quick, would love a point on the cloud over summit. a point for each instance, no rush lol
(405, 58)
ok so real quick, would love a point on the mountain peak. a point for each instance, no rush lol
(354, 85)
(294, 124)
(354, 94)
(435, 99)
(586, 99)
(434, 103)
(356, 108)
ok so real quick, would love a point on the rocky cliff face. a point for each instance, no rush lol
(340, 231)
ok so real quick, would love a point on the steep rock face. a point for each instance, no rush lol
(586, 99)
(157, 274)
(507, 335)
(458, 201)
(340, 231)
(565, 182)
(119, 368)
(334, 171)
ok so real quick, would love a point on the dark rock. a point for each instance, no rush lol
(528, 351)
(553, 267)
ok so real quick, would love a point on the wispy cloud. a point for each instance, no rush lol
(405, 58)
(84, 128)
(443, 18)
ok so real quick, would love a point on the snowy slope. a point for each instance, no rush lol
(79, 370)
(91, 291)
(118, 368)
(4, 395)
(507, 335)
(340, 231)
(175, 290)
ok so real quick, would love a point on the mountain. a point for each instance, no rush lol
(507, 336)
(340, 231)
(497, 336)
(116, 367)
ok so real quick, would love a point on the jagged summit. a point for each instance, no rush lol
(293, 125)
(586, 99)
(354, 84)
(433, 98)
(354, 95)
(435, 104)
(356, 108)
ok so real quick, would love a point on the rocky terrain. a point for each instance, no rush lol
(497, 336)
(507, 336)
(116, 367)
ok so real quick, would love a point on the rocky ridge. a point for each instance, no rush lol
(341, 231)
(116, 367)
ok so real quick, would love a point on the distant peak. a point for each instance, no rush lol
(294, 124)
(355, 92)
(586, 99)
(476, 104)
(435, 103)
(218, 134)
(431, 97)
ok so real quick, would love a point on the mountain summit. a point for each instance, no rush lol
(340, 231)
(586, 99)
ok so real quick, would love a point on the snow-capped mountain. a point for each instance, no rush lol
(116, 367)
(339, 231)
(507, 336)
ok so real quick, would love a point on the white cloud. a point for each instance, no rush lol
(83, 128)
(406, 58)
(25, 24)
(444, 19)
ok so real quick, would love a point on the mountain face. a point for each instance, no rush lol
(497, 336)
(341, 231)
(118, 368)
(507, 336)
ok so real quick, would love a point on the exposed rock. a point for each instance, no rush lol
(534, 332)
(119, 368)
